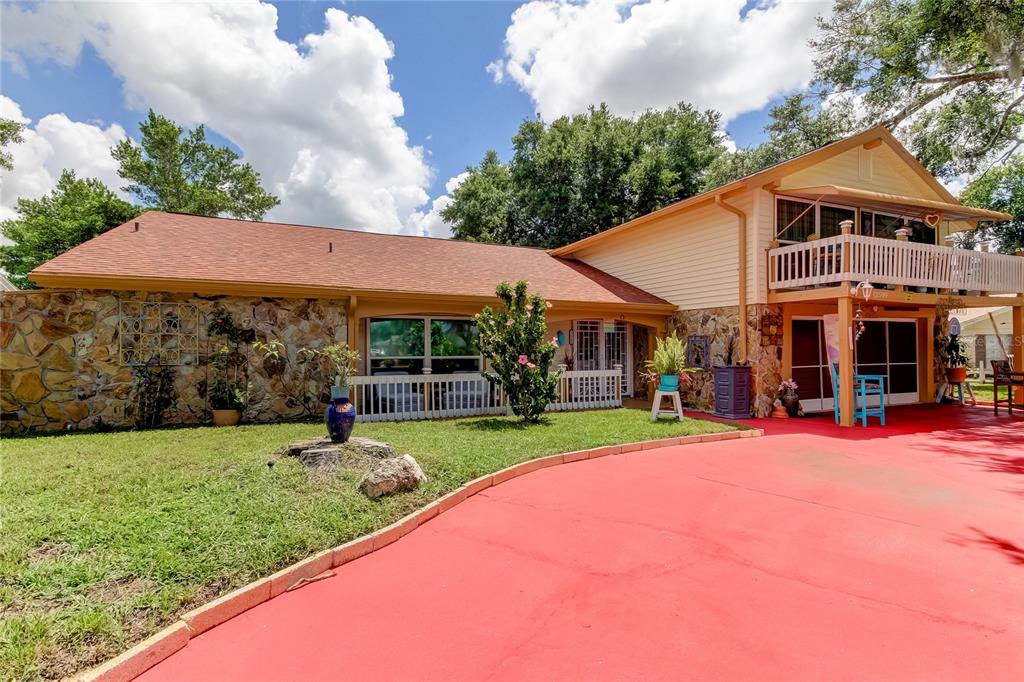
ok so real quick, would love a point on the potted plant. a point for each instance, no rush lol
(732, 385)
(954, 356)
(789, 398)
(340, 360)
(668, 365)
(227, 393)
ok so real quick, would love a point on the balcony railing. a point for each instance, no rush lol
(856, 258)
(441, 396)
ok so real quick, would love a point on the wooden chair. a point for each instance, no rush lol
(864, 385)
(1003, 375)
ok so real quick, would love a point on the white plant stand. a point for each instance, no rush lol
(677, 404)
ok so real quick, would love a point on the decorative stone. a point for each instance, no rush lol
(392, 475)
(52, 411)
(373, 448)
(13, 360)
(55, 358)
(76, 411)
(27, 388)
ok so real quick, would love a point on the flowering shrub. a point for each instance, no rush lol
(513, 339)
(222, 324)
(154, 393)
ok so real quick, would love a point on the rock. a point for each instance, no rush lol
(392, 475)
(76, 411)
(27, 388)
(12, 360)
(373, 448)
(327, 455)
(296, 448)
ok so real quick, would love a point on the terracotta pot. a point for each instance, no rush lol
(226, 417)
(779, 412)
(956, 374)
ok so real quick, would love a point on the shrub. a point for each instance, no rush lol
(340, 360)
(513, 339)
(669, 359)
(154, 393)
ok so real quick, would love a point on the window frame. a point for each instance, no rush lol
(817, 215)
(427, 358)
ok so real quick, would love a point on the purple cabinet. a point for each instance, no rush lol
(732, 391)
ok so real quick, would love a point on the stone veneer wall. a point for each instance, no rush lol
(764, 350)
(60, 369)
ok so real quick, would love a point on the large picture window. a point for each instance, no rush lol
(410, 345)
(804, 218)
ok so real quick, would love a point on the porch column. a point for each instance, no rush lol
(845, 396)
(1017, 342)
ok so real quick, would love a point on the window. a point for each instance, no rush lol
(884, 226)
(401, 345)
(798, 215)
(831, 216)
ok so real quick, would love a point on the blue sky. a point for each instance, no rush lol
(454, 107)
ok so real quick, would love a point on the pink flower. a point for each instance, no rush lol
(531, 365)
(548, 304)
(523, 360)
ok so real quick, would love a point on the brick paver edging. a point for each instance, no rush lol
(151, 651)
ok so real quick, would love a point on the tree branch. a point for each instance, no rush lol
(999, 128)
(962, 78)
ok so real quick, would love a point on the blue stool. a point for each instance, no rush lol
(864, 385)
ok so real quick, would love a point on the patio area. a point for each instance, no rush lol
(806, 554)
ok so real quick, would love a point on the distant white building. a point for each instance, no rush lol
(977, 330)
(5, 284)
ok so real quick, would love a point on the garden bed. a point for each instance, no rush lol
(107, 537)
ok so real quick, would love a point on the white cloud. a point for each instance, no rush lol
(634, 56)
(429, 223)
(52, 144)
(317, 119)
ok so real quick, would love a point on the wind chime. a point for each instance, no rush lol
(865, 289)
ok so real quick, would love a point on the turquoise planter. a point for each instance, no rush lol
(669, 382)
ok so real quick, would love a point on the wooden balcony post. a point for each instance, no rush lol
(846, 228)
(902, 235)
(845, 396)
(1017, 343)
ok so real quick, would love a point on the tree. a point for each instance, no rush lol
(797, 126)
(174, 169)
(512, 338)
(75, 211)
(582, 174)
(1001, 189)
(482, 211)
(10, 132)
(946, 72)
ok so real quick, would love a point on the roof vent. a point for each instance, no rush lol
(135, 228)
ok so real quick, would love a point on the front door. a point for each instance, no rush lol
(887, 347)
(602, 346)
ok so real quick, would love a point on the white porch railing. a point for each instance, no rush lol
(442, 396)
(857, 258)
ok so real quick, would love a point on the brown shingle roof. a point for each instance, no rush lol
(171, 246)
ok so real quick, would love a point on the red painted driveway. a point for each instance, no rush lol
(858, 554)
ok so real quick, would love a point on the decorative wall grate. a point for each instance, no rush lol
(168, 332)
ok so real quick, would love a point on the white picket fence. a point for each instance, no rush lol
(443, 396)
(856, 258)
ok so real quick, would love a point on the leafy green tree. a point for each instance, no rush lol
(1001, 189)
(75, 211)
(797, 126)
(10, 132)
(174, 169)
(578, 175)
(512, 338)
(483, 208)
(946, 72)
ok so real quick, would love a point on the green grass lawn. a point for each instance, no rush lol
(108, 537)
(983, 391)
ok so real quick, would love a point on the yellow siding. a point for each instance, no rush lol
(879, 170)
(689, 259)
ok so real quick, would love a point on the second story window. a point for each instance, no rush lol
(794, 220)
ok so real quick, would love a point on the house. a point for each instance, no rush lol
(847, 237)
(988, 334)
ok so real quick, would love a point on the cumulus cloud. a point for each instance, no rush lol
(429, 223)
(50, 145)
(317, 118)
(634, 56)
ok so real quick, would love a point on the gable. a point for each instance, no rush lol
(880, 169)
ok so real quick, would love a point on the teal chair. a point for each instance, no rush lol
(864, 385)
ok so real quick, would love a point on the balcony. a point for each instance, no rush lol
(857, 258)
